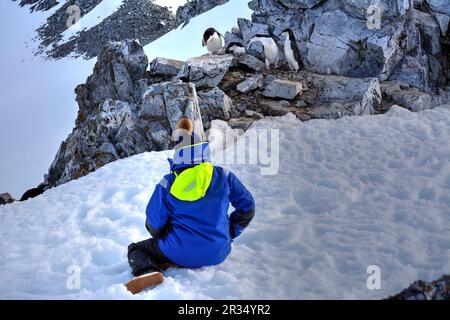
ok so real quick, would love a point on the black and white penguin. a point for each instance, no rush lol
(271, 50)
(291, 51)
(212, 39)
(235, 48)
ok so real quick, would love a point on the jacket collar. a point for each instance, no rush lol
(190, 156)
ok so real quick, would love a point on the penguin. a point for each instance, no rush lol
(212, 39)
(271, 51)
(235, 48)
(291, 51)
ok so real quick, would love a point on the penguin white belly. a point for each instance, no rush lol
(271, 51)
(214, 43)
(290, 57)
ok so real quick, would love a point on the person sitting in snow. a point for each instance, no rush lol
(187, 215)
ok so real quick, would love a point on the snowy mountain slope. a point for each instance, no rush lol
(99, 13)
(350, 193)
(83, 27)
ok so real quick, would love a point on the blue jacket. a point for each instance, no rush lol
(196, 233)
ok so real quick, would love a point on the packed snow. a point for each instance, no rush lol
(171, 4)
(350, 193)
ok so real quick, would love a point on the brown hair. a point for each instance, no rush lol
(185, 124)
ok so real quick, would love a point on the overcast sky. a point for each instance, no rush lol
(37, 101)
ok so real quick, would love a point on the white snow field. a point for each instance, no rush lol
(350, 193)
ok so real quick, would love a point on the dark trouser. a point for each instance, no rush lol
(145, 257)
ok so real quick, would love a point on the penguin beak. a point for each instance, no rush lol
(203, 43)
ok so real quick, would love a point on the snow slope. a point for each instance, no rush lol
(360, 191)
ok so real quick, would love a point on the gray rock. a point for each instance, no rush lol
(440, 6)
(283, 89)
(413, 100)
(231, 37)
(206, 71)
(430, 32)
(389, 8)
(249, 61)
(423, 290)
(214, 104)
(362, 94)
(251, 84)
(165, 67)
(253, 114)
(250, 29)
(412, 70)
(6, 198)
(114, 122)
(116, 76)
(300, 4)
(256, 49)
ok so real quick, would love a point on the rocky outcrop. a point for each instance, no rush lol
(128, 106)
(6, 198)
(135, 19)
(423, 290)
(334, 37)
(122, 113)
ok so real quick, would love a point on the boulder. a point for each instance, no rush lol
(413, 100)
(362, 94)
(430, 32)
(207, 71)
(165, 67)
(256, 49)
(283, 89)
(116, 76)
(413, 71)
(214, 104)
(6, 198)
(250, 29)
(253, 83)
(249, 61)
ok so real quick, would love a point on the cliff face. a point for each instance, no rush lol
(123, 110)
(134, 19)
(411, 43)
(128, 106)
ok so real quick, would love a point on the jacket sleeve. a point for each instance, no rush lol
(158, 211)
(244, 204)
